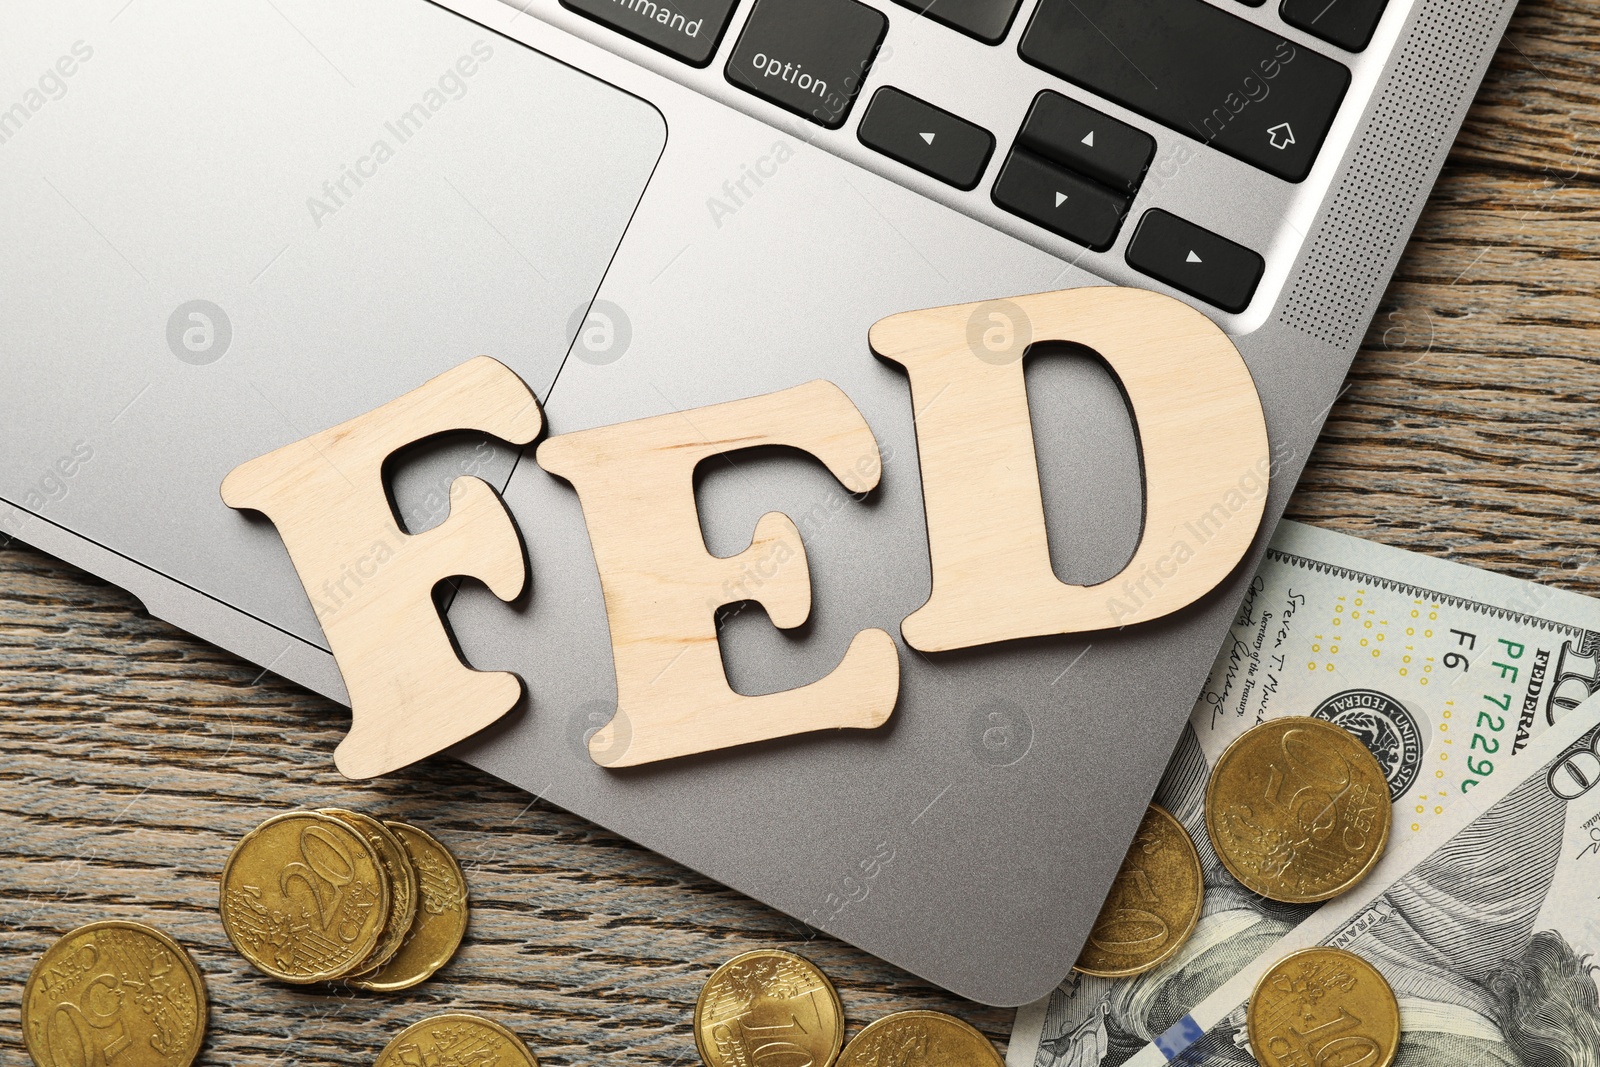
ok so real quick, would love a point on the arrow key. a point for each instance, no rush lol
(1195, 260)
(926, 137)
(1087, 141)
(1059, 200)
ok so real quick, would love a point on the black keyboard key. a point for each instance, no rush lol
(1198, 69)
(689, 30)
(1087, 141)
(987, 20)
(926, 137)
(1195, 260)
(809, 56)
(1346, 23)
(1059, 200)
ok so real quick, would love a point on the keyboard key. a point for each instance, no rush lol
(1198, 69)
(1059, 200)
(809, 56)
(987, 20)
(1195, 260)
(1087, 141)
(1346, 23)
(689, 30)
(926, 137)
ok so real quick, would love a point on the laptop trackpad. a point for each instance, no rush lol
(234, 224)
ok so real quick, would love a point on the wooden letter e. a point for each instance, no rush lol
(635, 481)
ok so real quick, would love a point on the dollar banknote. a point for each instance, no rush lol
(1488, 937)
(1445, 672)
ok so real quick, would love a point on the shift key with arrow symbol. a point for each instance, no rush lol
(925, 137)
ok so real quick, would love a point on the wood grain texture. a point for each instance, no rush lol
(135, 756)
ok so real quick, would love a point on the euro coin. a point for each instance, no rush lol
(1323, 1005)
(919, 1039)
(1153, 904)
(768, 1005)
(399, 873)
(1298, 810)
(304, 897)
(456, 1039)
(441, 918)
(114, 992)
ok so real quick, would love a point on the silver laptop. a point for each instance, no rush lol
(227, 224)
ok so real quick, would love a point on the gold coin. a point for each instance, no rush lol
(1323, 1005)
(456, 1039)
(1153, 904)
(402, 878)
(768, 1004)
(919, 1039)
(1298, 810)
(304, 897)
(114, 992)
(441, 915)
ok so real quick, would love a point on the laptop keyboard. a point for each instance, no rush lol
(1198, 70)
(1194, 67)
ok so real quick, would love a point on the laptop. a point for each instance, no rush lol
(229, 224)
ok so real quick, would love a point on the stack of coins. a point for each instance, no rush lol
(774, 1006)
(320, 896)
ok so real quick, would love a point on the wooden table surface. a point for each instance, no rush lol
(135, 756)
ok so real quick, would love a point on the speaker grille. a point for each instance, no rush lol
(1355, 244)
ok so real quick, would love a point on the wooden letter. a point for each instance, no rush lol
(372, 584)
(1202, 437)
(662, 588)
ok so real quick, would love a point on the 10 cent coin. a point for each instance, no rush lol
(1323, 1005)
(765, 1002)
(399, 873)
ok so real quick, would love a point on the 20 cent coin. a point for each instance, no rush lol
(441, 917)
(1298, 810)
(304, 897)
